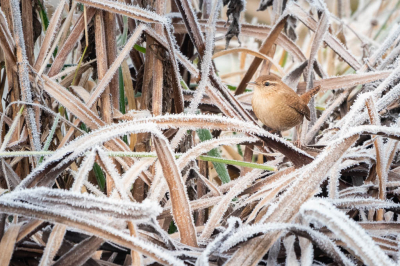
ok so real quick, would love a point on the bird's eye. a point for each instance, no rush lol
(266, 83)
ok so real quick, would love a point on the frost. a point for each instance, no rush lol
(133, 11)
(233, 223)
(86, 203)
(219, 210)
(323, 242)
(361, 203)
(44, 108)
(347, 230)
(356, 115)
(86, 167)
(274, 253)
(206, 58)
(291, 259)
(50, 34)
(89, 226)
(208, 145)
(23, 71)
(110, 168)
(6, 29)
(80, 145)
(390, 39)
(131, 175)
(292, 78)
(320, 5)
(334, 175)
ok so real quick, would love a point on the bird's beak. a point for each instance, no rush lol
(251, 83)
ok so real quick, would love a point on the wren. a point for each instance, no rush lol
(277, 106)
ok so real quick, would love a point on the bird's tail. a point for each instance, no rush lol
(306, 97)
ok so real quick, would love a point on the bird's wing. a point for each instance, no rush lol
(301, 108)
(294, 101)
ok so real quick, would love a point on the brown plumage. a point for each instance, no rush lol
(277, 105)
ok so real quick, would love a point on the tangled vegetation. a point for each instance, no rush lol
(128, 135)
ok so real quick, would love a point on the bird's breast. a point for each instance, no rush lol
(274, 112)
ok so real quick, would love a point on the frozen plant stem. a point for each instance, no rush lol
(145, 155)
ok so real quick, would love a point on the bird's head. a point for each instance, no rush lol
(266, 82)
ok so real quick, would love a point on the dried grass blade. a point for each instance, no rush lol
(346, 81)
(103, 231)
(111, 33)
(115, 65)
(322, 241)
(378, 53)
(28, 228)
(129, 89)
(7, 243)
(131, 175)
(63, 32)
(137, 259)
(213, 246)
(219, 210)
(102, 66)
(319, 35)
(130, 95)
(297, 156)
(292, 78)
(214, 189)
(208, 145)
(179, 199)
(23, 73)
(11, 177)
(320, 32)
(380, 153)
(196, 151)
(5, 27)
(194, 205)
(391, 150)
(264, 49)
(81, 177)
(10, 132)
(250, 30)
(182, 59)
(73, 104)
(325, 116)
(206, 59)
(291, 201)
(332, 41)
(131, 11)
(27, 22)
(178, 97)
(250, 52)
(217, 99)
(69, 44)
(341, 225)
(192, 25)
(53, 244)
(109, 168)
(80, 253)
(87, 204)
(260, 185)
(165, 122)
(268, 197)
(6, 41)
(158, 76)
(67, 81)
(50, 33)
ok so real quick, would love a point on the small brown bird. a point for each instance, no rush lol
(277, 105)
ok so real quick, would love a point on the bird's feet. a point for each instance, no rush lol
(297, 143)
